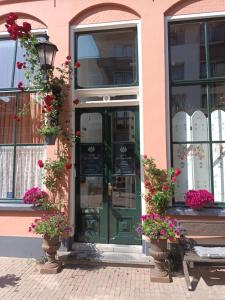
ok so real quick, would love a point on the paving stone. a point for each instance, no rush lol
(20, 280)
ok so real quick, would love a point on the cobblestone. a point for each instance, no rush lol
(20, 280)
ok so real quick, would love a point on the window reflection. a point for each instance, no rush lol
(123, 194)
(91, 192)
(217, 48)
(107, 58)
(123, 126)
(7, 53)
(91, 128)
(187, 51)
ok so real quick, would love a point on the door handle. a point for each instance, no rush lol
(109, 189)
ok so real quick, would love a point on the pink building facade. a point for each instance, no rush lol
(151, 81)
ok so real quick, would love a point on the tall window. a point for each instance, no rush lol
(108, 58)
(20, 146)
(197, 105)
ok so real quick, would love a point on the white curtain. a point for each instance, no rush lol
(6, 171)
(27, 171)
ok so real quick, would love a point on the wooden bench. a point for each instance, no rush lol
(200, 233)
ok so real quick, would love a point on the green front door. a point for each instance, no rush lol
(108, 199)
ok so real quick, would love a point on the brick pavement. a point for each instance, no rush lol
(20, 280)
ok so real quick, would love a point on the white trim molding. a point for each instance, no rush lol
(196, 16)
(118, 91)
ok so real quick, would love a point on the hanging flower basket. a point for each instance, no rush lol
(50, 139)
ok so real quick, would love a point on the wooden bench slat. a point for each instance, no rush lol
(202, 233)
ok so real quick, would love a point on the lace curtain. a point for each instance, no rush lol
(6, 171)
(27, 173)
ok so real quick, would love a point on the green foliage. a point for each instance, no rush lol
(159, 184)
(53, 172)
(47, 130)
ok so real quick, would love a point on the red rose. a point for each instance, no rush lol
(77, 64)
(16, 118)
(68, 166)
(164, 187)
(77, 133)
(146, 183)
(67, 62)
(48, 100)
(40, 163)
(68, 57)
(145, 156)
(177, 172)
(20, 86)
(11, 18)
(26, 27)
(173, 179)
(76, 101)
(69, 157)
(19, 65)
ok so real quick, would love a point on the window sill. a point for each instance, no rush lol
(184, 211)
(16, 207)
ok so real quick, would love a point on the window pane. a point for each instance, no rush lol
(7, 123)
(187, 51)
(19, 73)
(219, 171)
(91, 128)
(123, 126)
(27, 128)
(123, 194)
(217, 47)
(189, 113)
(91, 192)
(7, 53)
(27, 171)
(6, 172)
(217, 92)
(193, 161)
(107, 58)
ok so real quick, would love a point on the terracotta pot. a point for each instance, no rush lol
(158, 250)
(50, 246)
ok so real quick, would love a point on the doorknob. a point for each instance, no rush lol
(109, 189)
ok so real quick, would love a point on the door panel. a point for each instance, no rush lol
(108, 203)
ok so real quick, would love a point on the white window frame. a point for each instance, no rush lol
(112, 91)
(134, 90)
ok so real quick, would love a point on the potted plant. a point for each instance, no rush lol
(50, 133)
(39, 199)
(53, 228)
(198, 199)
(159, 229)
(159, 184)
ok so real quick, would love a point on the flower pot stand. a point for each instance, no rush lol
(50, 246)
(160, 272)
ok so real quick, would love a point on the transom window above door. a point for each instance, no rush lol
(108, 58)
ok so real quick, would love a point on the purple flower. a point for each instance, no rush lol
(162, 232)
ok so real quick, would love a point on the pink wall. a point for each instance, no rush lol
(60, 15)
(16, 223)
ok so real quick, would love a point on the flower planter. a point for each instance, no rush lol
(158, 250)
(50, 139)
(50, 247)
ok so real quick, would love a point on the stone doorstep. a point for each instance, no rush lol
(90, 247)
(112, 258)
